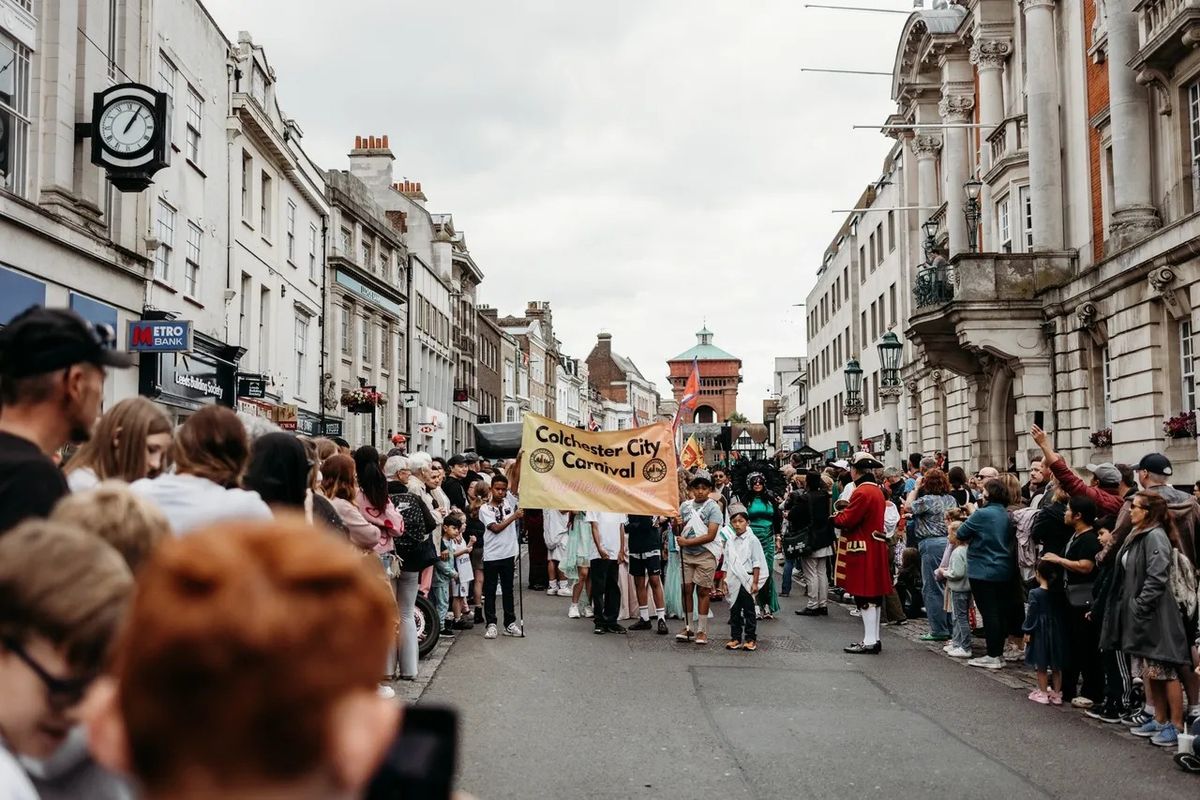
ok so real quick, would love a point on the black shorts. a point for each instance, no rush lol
(649, 565)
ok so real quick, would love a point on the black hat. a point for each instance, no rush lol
(1156, 463)
(457, 460)
(41, 340)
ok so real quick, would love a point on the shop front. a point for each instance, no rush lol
(184, 376)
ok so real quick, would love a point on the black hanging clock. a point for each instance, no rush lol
(130, 133)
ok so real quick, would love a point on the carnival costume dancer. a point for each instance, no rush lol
(862, 568)
(766, 522)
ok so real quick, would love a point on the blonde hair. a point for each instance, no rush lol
(131, 524)
(117, 448)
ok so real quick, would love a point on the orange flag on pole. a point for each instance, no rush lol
(691, 394)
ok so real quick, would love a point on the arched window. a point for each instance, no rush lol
(510, 415)
(705, 414)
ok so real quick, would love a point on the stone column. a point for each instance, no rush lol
(925, 147)
(1045, 137)
(852, 411)
(988, 56)
(956, 110)
(890, 397)
(1134, 215)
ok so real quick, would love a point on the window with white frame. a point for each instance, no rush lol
(385, 264)
(1026, 205)
(344, 328)
(291, 231)
(1004, 226)
(1106, 385)
(166, 242)
(265, 206)
(166, 77)
(191, 266)
(384, 350)
(312, 252)
(301, 348)
(195, 113)
(258, 85)
(1194, 140)
(1187, 366)
(365, 330)
(345, 243)
(14, 115)
(368, 255)
(247, 186)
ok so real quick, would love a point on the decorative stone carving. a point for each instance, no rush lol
(990, 53)
(925, 145)
(1091, 323)
(1157, 80)
(956, 107)
(852, 408)
(1100, 25)
(1030, 5)
(1174, 297)
(891, 391)
(913, 387)
(1132, 224)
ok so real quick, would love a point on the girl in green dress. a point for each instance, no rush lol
(766, 520)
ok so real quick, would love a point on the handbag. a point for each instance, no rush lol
(796, 544)
(1079, 595)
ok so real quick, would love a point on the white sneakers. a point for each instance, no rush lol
(491, 632)
(958, 652)
(587, 612)
(564, 589)
(986, 662)
(573, 611)
(552, 589)
(386, 692)
(513, 630)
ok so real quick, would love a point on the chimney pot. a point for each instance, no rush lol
(385, 141)
(357, 142)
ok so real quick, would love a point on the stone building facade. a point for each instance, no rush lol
(1070, 289)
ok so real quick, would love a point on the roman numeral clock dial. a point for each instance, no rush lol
(127, 126)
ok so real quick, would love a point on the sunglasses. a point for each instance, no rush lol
(61, 693)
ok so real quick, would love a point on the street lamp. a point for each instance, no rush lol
(854, 378)
(930, 227)
(972, 188)
(889, 356)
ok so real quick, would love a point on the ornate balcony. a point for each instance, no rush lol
(1168, 31)
(1008, 145)
(983, 303)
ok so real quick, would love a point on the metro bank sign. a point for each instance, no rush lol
(160, 336)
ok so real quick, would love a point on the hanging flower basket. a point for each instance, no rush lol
(362, 401)
(1181, 426)
(1102, 439)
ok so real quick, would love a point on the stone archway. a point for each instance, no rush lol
(1002, 415)
(705, 414)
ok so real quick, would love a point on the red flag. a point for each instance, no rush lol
(691, 394)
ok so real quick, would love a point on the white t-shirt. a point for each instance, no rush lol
(609, 523)
(189, 502)
(501, 545)
(554, 522)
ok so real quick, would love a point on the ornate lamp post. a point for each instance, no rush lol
(853, 407)
(972, 188)
(890, 349)
(930, 227)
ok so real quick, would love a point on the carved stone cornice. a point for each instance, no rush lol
(991, 53)
(891, 392)
(852, 408)
(956, 107)
(926, 145)
(1031, 5)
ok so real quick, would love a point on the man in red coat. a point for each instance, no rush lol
(862, 566)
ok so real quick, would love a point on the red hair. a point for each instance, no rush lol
(240, 642)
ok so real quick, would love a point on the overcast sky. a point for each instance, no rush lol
(644, 165)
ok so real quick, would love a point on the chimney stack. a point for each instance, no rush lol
(411, 190)
(371, 162)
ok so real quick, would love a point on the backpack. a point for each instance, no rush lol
(416, 532)
(1020, 524)
(1182, 581)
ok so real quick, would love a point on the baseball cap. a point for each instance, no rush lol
(1156, 463)
(41, 340)
(1106, 473)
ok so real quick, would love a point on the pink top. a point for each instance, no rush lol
(388, 520)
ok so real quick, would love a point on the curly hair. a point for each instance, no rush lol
(934, 483)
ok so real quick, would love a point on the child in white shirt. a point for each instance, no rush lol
(745, 568)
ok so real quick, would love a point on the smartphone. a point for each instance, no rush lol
(1039, 419)
(420, 763)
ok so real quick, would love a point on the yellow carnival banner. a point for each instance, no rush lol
(630, 472)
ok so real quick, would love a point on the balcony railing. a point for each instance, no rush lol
(933, 286)
(1168, 32)
(1157, 14)
(1010, 138)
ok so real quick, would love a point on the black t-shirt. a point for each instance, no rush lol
(30, 483)
(455, 489)
(643, 534)
(1083, 547)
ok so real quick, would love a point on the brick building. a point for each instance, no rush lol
(621, 384)
(488, 375)
(720, 374)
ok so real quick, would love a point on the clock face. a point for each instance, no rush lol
(127, 126)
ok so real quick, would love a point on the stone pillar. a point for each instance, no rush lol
(890, 397)
(852, 411)
(1045, 137)
(925, 148)
(988, 56)
(1134, 215)
(956, 110)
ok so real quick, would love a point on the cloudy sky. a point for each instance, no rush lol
(644, 165)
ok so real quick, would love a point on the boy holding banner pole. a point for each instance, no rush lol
(696, 530)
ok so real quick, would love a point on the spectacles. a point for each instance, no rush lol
(61, 693)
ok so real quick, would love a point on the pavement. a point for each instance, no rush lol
(563, 712)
